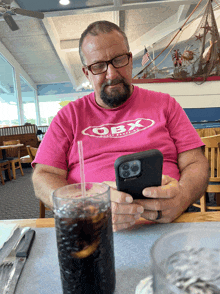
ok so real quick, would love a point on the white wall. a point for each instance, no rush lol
(189, 94)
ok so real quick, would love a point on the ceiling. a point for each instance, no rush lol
(48, 49)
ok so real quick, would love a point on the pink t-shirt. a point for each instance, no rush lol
(147, 120)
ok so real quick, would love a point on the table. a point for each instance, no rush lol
(188, 217)
(132, 252)
(3, 148)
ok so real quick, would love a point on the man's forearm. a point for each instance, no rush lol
(193, 181)
(44, 185)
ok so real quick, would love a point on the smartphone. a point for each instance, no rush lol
(136, 171)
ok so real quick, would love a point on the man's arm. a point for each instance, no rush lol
(194, 170)
(174, 197)
(46, 179)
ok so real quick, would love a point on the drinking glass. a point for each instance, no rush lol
(85, 239)
(187, 261)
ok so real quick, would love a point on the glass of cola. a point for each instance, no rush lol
(85, 239)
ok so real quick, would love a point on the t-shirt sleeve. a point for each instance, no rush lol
(55, 145)
(180, 128)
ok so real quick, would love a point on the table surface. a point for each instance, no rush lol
(189, 217)
(11, 146)
(41, 273)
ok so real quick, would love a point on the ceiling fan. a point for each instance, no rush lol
(7, 11)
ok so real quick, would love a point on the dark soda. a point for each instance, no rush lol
(85, 252)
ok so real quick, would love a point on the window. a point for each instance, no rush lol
(8, 97)
(28, 102)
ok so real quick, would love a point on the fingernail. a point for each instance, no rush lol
(137, 216)
(147, 193)
(129, 199)
(140, 209)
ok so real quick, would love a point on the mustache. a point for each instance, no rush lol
(113, 82)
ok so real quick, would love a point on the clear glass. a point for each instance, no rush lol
(85, 239)
(8, 97)
(28, 102)
(189, 256)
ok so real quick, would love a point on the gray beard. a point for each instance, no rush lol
(116, 98)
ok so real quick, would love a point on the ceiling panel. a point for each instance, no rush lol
(52, 5)
(28, 27)
(72, 26)
(139, 22)
(149, 15)
(49, 77)
(42, 56)
(42, 67)
(33, 43)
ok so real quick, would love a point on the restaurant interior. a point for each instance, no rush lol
(41, 72)
(40, 67)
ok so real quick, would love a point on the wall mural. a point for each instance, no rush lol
(196, 57)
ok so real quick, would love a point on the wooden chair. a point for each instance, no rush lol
(200, 132)
(212, 153)
(13, 155)
(4, 165)
(32, 151)
(208, 132)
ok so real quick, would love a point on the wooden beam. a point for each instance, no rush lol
(53, 34)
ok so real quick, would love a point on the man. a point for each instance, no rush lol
(119, 119)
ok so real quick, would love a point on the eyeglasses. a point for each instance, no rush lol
(117, 62)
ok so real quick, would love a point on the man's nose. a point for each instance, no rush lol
(111, 72)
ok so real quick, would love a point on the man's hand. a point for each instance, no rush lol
(124, 211)
(172, 198)
(166, 200)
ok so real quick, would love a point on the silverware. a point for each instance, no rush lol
(21, 257)
(4, 274)
(12, 255)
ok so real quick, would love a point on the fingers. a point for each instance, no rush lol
(124, 212)
(120, 222)
(120, 197)
(168, 189)
(164, 199)
(153, 215)
(125, 215)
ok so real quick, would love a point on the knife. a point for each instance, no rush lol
(21, 257)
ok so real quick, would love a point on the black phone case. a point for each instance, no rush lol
(150, 176)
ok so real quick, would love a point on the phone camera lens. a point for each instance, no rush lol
(135, 168)
(125, 166)
(126, 174)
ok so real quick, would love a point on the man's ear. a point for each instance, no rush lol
(85, 71)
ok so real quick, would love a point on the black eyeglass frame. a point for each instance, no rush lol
(129, 54)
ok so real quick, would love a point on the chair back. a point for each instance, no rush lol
(200, 132)
(208, 132)
(32, 151)
(12, 152)
(212, 153)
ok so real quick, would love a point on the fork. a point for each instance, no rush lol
(4, 274)
(12, 254)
